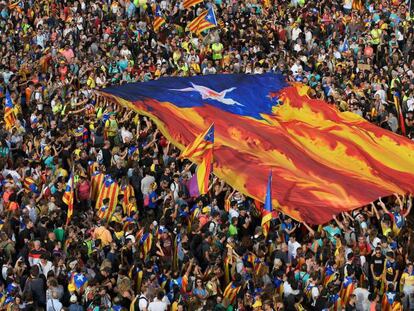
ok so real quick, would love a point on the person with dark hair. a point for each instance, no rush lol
(35, 287)
(159, 303)
(377, 268)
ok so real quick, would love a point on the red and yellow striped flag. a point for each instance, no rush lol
(189, 3)
(109, 190)
(146, 244)
(193, 25)
(231, 291)
(29, 185)
(159, 19)
(9, 114)
(400, 116)
(128, 191)
(347, 289)
(93, 166)
(69, 197)
(267, 215)
(203, 143)
(97, 180)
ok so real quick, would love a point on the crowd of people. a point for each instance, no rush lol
(159, 249)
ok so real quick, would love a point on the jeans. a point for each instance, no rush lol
(408, 299)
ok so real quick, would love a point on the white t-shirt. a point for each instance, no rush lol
(292, 248)
(157, 305)
(410, 104)
(295, 33)
(142, 302)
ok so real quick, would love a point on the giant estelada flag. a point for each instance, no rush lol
(323, 161)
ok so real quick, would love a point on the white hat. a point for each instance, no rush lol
(130, 237)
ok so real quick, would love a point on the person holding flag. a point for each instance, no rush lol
(206, 20)
(267, 211)
(201, 150)
(9, 112)
(69, 196)
(159, 19)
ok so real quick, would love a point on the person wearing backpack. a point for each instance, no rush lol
(312, 291)
(302, 276)
(141, 302)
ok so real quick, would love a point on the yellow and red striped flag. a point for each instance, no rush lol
(9, 114)
(202, 147)
(93, 166)
(29, 185)
(203, 143)
(347, 289)
(159, 19)
(69, 197)
(189, 3)
(128, 191)
(267, 211)
(146, 244)
(97, 180)
(204, 21)
(198, 184)
(400, 116)
(231, 291)
(109, 190)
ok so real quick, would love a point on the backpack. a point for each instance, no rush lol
(206, 227)
(300, 281)
(136, 303)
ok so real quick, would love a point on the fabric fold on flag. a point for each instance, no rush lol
(199, 182)
(325, 161)
(201, 148)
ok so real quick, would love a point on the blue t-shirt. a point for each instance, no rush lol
(151, 196)
(285, 227)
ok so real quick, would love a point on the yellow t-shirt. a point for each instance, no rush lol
(376, 36)
(408, 279)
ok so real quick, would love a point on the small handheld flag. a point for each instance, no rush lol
(204, 21)
(267, 211)
(159, 19)
(201, 147)
(202, 144)
(68, 196)
(9, 115)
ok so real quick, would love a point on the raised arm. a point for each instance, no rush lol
(311, 231)
(400, 202)
(339, 223)
(409, 205)
(380, 203)
(374, 210)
